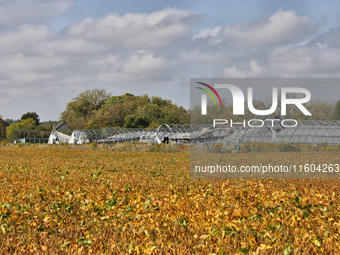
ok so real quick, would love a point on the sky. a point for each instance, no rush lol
(52, 50)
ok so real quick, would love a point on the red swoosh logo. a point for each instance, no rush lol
(212, 90)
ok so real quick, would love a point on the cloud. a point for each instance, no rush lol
(138, 65)
(76, 79)
(280, 27)
(20, 11)
(207, 32)
(25, 36)
(66, 46)
(149, 53)
(330, 38)
(143, 62)
(197, 56)
(234, 72)
(291, 60)
(5, 100)
(305, 60)
(19, 68)
(137, 30)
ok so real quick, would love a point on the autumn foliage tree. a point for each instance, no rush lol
(97, 109)
(79, 110)
(132, 111)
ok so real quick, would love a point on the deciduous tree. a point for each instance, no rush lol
(31, 115)
(336, 113)
(26, 124)
(84, 104)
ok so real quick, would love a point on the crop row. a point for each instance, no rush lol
(74, 201)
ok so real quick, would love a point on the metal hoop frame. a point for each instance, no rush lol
(307, 131)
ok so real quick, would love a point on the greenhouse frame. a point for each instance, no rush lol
(306, 132)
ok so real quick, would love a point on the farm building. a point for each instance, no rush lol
(59, 126)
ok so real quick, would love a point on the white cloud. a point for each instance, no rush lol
(19, 11)
(66, 46)
(280, 27)
(312, 59)
(107, 60)
(19, 62)
(142, 63)
(197, 56)
(76, 79)
(137, 30)
(20, 68)
(207, 32)
(22, 38)
(140, 52)
(139, 65)
(234, 72)
(28, 77)
(29, 91)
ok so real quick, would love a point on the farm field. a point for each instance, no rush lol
(74, 201)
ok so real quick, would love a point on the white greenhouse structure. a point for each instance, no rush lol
(305, 132)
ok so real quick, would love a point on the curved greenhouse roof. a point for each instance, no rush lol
(306, 131)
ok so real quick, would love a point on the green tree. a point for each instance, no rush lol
(97, 109)
(136, 121)
(112, 116)
(31, 115)
(79, 110)
(132, 111)
(336, 112)
(26, 124)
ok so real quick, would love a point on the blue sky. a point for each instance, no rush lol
(52, 50)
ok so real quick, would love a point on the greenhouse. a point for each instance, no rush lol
(306, 132)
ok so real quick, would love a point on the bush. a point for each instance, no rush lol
(4, 142)
(93, 145)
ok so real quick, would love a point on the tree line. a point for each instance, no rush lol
(28, 121)
(97, 108)
(93, 109)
